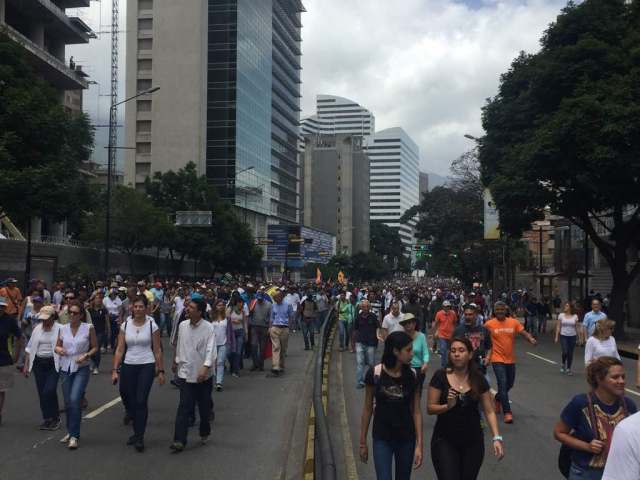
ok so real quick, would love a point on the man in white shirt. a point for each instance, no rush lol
(293, 299)
(623, 461)
(194, 357)
(391, 322)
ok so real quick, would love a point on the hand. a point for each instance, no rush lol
(498, 449)
(364, 453)
(114, 377)
(596, 447)
(25, 371)
(452, 398)
(81, 358)
(203, 374)
(556, 340)
(533, 341)
(161, 378)
(174, 367)
(424, 368)
(417, 458)
(61, 351)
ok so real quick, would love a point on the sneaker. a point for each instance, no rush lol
(73, 443)
(139, 445)
(235, 375)
(103, 350)
(44, 425)
(132, 440)
(65, 439)
(562, 370)
(360, 385)
(218, 387)
(177, 447)
(569, 372)
(54, 424)
(508, 417)
(273, 374)
(204, 440)
(95, 371)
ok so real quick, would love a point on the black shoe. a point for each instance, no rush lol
(177, 447)
(306, 347)
(132, 440)
(54, 424)
(44, 425)
(139, 445)
(253, 369)
(273, 374)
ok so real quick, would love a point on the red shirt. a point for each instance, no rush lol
(446, 322)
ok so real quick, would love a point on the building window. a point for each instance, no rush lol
(143, 148)
(144, 84)
(145, 24)
(144, 65)
(145, 44)
(143, 105)
(145, 5)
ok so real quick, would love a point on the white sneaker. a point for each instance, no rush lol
(73, 443)
(95, 371)
(65, 439)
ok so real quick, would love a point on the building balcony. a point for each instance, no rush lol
(70, 30)
(53, 70)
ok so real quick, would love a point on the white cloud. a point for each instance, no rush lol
(424, 65)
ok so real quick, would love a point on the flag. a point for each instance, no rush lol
(318, 276)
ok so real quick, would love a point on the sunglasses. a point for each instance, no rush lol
(74, 312)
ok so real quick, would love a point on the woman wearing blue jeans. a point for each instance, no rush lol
(76, 344)
(240, 328)
(397, 420)
(566, 332)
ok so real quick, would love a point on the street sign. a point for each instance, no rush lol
(194, 218)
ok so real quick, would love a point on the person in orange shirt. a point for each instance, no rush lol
(12, 294)
(444, 324)
(503, 331)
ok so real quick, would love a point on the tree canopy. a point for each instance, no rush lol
(42, 146)
(563, 133)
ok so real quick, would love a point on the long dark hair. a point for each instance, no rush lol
(395, 341)
(475, 376)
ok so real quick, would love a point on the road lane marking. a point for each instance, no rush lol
(104, 407)
(632, 392)
(542, 358)
(352, 471)
(42, 442)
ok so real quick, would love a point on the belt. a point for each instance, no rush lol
(281, 326)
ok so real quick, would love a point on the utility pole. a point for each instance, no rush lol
(586, 265)
(541, 281)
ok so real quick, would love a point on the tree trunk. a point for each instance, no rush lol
(619, 289)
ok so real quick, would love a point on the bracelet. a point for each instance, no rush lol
(498, 438)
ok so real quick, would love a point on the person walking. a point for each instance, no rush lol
(345, 319)
(588, 422)
(281, 313)
(309, 311)
(591, 318)
(503, 330)
(365, 328)
(113, 304)
(44, 363)
(239, 327)
(101, 323)
(193, 363)
(623, 461)
(136, 362)
(443, 325)
(223, 339)
(420, 359)
(601, 343)
(567, 332)
(76, 344)
(391, 321)
(478, 335)
(259, 327)
(10, 334)
(455, 394)
(397, 418)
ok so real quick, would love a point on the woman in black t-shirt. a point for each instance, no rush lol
(455, 393)
(397, 420)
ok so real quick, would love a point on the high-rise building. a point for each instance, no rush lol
(394, 159)
(423, 186)
(43, 29)
(229, 73)
(336, 189)
(338, 115)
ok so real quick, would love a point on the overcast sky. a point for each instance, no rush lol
(424, 65)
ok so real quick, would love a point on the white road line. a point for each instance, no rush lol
(101, 409)
(542, 358)
(632, 392)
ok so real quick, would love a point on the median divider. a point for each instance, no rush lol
(319, 459)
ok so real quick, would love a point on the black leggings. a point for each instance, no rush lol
(457, 462)
(135, 385)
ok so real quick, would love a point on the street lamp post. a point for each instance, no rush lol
(107, 233)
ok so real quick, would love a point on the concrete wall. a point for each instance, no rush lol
(49, 260)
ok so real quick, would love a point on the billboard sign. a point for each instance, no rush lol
(491, 217)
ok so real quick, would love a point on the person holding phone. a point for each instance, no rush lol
(136, 362)
(455, 394)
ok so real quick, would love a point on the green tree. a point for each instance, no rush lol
(226, 246)
(563, 132)
(136, 223)
(385, 242)
(42, 146)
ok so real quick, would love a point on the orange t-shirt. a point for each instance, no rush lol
(446, 323)
(503, 337)
(13, 298)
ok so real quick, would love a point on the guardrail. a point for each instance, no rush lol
(324, 461)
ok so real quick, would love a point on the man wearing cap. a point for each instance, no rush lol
(13, 297)
(9, 331)
(259, 327)
(443, 325)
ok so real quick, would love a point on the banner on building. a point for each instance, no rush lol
(491, 217)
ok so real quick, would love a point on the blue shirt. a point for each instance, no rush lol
(158, 293)
(280, 314)
(590, 320)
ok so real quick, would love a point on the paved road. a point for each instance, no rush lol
(539, 395)
(259, 432)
